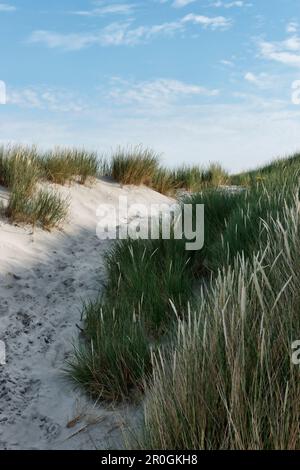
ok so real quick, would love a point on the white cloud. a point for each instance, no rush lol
(292, 27)
(2, 92)
(117, 34)
(218, 22)
(64, 41)
(5, 7)
(228, 63)
(286, 52)
(44, 98)
(234, 4)
(182, 3)
(262, 80)
(108, 9)
(156, 93)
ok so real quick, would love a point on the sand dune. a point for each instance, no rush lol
(44, 277)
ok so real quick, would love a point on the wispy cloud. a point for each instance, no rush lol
(182, 3)
(292, 27)
(228, 63)
(5, 7)
(233, 4)
(108, 8)
(45, 98)
(286, 52)
(261, 80)
(217, 22)
(156, 92)
(117, 34)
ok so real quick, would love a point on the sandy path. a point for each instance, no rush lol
(43, 280)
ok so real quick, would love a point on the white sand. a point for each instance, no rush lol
(44, 277)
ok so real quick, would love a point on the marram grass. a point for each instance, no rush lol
(23, 167)
(227, 380)
(61, 166)
(136, 165)
(206, 336)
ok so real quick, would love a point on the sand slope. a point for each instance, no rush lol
(43, 279)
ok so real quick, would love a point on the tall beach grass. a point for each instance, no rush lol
(139, 165)
(145, 279)
(21, 170)
(227, 380)
(195, 178)
(206, 336)
(62, 165)
(134, 165)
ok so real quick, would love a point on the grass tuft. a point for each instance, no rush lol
(20, 172)
(45, 208)
(135, 165)
(195, 178)
(61, 166)
(115, 356)
(19, 168)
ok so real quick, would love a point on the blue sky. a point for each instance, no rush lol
(197, 80)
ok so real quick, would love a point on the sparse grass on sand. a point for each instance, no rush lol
(163, 182)
(23, 167)
(134, 165)
(207, 335)
(138, 165)
(46, 208)
(195, 178)
(19, 167)
(63, 165)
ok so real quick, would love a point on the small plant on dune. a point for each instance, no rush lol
(215, 176)
(188, 178)
(85, 165)
(61, 166)
(163, 182)
(45, 208)
(115, 356)
(20, 171)
(134, 165)
(57, 166)
(19, 168)
(195, 178)
(141, 166)
(48, 208)
(104, 167)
